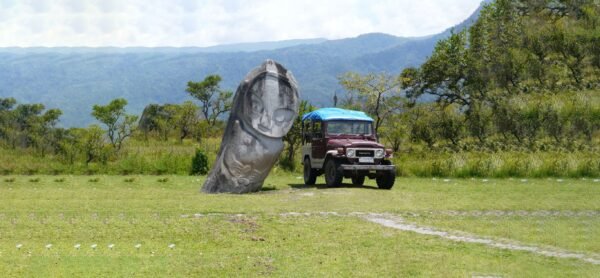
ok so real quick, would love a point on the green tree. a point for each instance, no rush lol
(376, 94)
(213, 100)
(91, 143)
(443, 75)
(421, 119)
(293, 138)
(395, 131)
(119, 124)
(449, 124)
(186, 119)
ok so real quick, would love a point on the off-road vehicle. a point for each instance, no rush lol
(341, 144)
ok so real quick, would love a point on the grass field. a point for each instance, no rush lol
(162, 226)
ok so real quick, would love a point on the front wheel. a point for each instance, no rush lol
(385, 180)
(310, 174)
(333, 176)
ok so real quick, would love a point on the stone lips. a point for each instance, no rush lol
(263, 111)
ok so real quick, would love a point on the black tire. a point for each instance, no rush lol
(385, 180)
(333, 176)
(310, 174)
(358, 180)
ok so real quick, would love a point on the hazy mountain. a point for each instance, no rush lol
(237, 47)
(73, 79)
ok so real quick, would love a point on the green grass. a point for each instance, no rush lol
(155, 157)
(262, 242)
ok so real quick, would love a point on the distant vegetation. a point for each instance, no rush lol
(517, 94)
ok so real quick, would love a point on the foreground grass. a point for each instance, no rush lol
(125, 211)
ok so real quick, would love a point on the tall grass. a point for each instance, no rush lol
(165, 157)
(138, 157)
(500, 165)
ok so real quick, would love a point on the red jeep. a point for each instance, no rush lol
(341, 144)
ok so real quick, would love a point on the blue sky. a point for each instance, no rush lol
(211, 22)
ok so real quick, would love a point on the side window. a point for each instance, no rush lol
(306, 132)
(317, 130)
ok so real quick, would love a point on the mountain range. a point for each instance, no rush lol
(73, 79)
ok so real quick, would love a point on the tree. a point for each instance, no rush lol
(479, 121)
(119, 125)
(43, 133)
(420, 120)
(68, 145)
(395, 131)
(293, 138)
(91, 142)
(449, 123)
(186, 119)
(376, 94)
(213, 100)
(444, 74)
(6, 116)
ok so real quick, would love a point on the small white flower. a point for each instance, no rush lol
(19, 246)
(484, 180)
(110, 246)
(48, 246)
(172, 245)
(559, 180)
(433, 179)
(597, 180)
(94, 246)
(446, 180)
(77, 246)
(524, 180)
(137, 246)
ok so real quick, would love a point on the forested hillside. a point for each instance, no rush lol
(523, 71)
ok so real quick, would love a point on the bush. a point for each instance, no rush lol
(200, 163)
(287, 164)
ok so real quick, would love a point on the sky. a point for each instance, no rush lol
(150, 23)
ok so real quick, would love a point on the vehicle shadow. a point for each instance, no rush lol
(323, 186)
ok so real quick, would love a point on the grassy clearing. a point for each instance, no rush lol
(158, 211)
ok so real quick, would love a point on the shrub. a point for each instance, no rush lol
(199, 163)
(287, 164)
(163, 180)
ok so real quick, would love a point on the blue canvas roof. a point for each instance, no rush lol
(326, 114)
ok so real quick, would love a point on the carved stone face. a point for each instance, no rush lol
(271, 104)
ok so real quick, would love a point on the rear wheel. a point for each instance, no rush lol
(358, 180)
(385, 180)
(310, 174)
(333, 176)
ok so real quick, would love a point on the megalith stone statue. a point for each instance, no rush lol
(263, 111)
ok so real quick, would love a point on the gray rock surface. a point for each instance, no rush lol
(263, 111)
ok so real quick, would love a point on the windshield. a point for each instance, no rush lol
(349, 127)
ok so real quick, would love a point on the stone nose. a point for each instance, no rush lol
(265, 121)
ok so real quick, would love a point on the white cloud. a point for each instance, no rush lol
(210, 22)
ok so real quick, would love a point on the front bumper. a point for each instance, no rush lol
(366, 167)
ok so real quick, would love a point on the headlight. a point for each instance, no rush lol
(350, 152)
(379, 153)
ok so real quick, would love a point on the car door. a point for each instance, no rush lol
(318, 142)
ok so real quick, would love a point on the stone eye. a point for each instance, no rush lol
(283, 115)
(257, 105)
